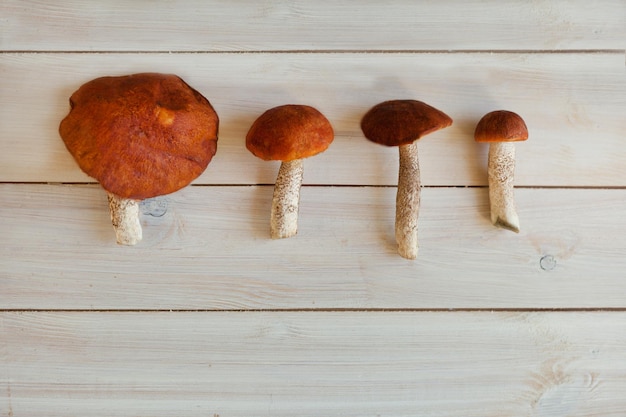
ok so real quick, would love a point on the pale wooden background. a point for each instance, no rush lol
(209, 317)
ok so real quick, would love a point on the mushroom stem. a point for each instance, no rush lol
(408, 201)
(284, 217)
(125, 219)
(501, 172)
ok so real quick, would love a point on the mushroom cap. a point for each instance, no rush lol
(401, 122)
(289, 132)
(140, 135)
(501, 126)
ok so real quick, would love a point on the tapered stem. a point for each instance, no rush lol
(284, 217)
(501, 173)
(408, 201)
(125, 219)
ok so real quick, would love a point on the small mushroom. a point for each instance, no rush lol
(501, 129)
(400, 123)
(140, 136)
(288, 133)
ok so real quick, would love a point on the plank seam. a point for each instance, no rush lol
(329, 51)
(333, 310)
(520, 187)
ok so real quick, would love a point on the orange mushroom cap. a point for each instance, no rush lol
(401, 122)
(289, 132)
(140, 135)
(501, 126)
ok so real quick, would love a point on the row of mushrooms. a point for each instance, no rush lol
(145, 135)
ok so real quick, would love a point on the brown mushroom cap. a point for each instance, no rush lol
(140, 135)
(289, 132)
(401, 122)
(501, 126)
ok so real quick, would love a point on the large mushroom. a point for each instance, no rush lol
(141, 136)
(288, 133)
(400, 123)
(501, 129)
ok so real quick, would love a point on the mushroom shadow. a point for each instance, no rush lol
(387, 215)
(256, 192)
(384, 164)
(478, 154)
(100, 221)
(259, 211)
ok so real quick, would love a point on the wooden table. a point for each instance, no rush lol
(208, 316)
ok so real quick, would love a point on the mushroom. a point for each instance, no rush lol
(501, 129)
(400, 123)
(141, 136)
(288, 133)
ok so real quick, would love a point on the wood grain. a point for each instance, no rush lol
(209, 248)
(313, 363)
(210, 317)
(573, 105)
(251, 25)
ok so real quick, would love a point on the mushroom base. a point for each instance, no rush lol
(286, 199)
(501, 172)
(408, 201)
(125, 219)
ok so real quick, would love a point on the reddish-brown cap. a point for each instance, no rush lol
(401, 122)
(289, 132)
(140, 135)
(501, 126)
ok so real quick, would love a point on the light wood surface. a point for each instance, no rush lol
(314, 363)
(573, 104)
(208, 316)
(250, 25)
(209, 248)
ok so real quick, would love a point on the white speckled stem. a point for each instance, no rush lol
(408, 201)
(125, 219)
(284, 217)
(501, 172)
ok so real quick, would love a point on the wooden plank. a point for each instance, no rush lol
(573, 104)
(319, 341)
(209, 248)
(312, 364)
(303, 25)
